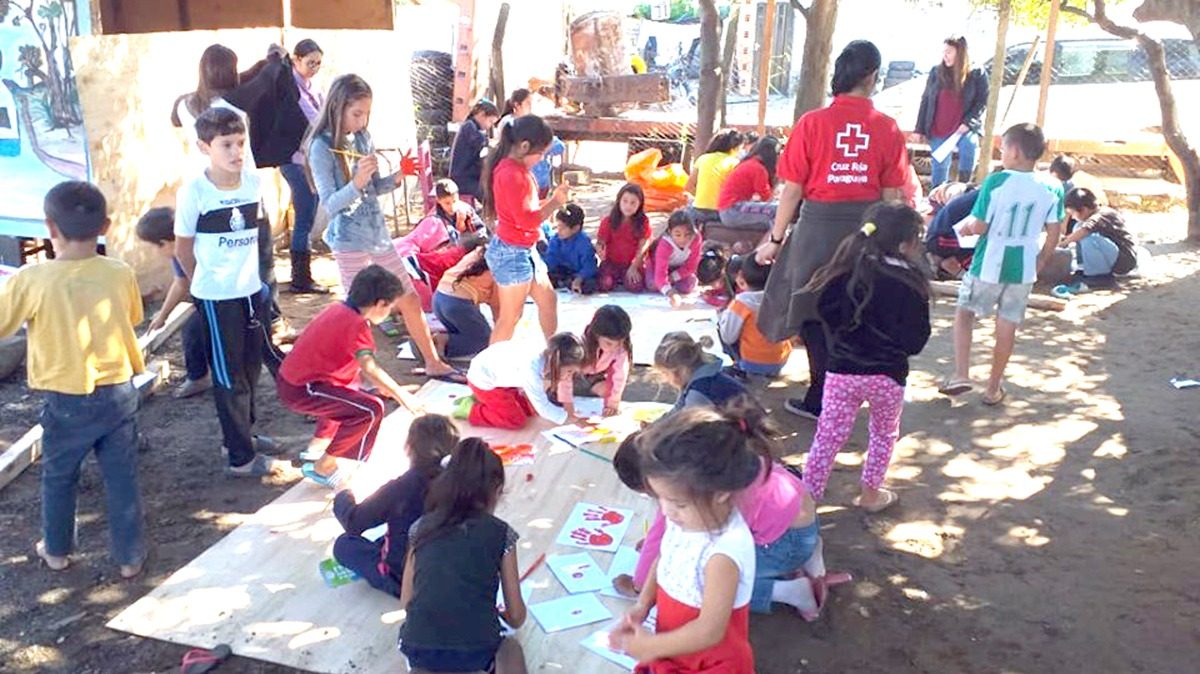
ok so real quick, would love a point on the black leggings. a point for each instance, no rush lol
(813, 334)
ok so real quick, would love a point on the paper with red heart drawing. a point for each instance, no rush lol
(595, 527)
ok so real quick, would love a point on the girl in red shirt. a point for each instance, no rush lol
(623, 241)
(746, 197)
(510, 199)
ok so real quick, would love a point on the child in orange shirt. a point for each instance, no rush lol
(738, 324)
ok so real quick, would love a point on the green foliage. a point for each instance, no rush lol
(1037, 12)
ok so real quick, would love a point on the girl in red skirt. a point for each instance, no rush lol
(511, 381)
(695, 461)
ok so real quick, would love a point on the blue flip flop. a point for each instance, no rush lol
(309, 470)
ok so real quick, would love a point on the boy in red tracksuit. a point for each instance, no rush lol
(320, 375)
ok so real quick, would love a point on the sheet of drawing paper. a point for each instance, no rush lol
(577, 572)
(595, 527)
(623, 563)
(597, 642)
(571, 611)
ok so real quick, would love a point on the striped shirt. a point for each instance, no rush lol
(1016, 205)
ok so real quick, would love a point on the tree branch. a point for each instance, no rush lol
(804, 11)
(1102, 19)
(1068, 9)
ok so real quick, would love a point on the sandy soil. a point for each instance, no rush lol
(1057, 533)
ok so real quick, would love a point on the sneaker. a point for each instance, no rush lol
(266, 445)
(193, 387)
(462, 407)
(259, 466)
(796, 406)
(1066, 290)
(309, 470)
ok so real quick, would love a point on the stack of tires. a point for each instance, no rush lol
(899, 72)
(432, 77)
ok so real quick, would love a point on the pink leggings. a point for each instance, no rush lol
(844, 394)
(350, 263)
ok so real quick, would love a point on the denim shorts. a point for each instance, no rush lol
(981, 298)
(513, 265)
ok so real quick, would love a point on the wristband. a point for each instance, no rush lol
(775, 241)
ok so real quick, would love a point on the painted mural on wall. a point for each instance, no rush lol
(41, 124)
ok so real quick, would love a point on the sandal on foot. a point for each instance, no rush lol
(955, 387)
(889, 499)
(454, 376)
(996, 400)
(55, 562)
(331, 481)
(199, 660)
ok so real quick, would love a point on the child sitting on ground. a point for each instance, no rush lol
(738, 324)
(398, 503)
(703, 581)
(781, 515)
(428, 249)
(674, 256)
(1009, 216)
(462, 289)
(1103, 246)
(609, 357)
(459, 555)
(157, 228)
(570, 258)
(83, 354)
(684, 363)
(510, 382)
(320, 375)
(623, 240)
(874, 303)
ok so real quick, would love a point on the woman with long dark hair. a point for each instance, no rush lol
(839, 161)
(218, 77)
(953, 103)
(746, 200)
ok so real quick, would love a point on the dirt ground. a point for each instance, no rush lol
(1055, 534)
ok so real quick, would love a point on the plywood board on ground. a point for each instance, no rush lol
(258, 589)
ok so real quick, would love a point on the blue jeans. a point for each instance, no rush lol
(761, 369)
(73, 426)
(304, 203)
(784, 557)
(468, 331)
(362, 557)
(1096, 255)
(968, 147)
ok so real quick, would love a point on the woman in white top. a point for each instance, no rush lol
(218, 76)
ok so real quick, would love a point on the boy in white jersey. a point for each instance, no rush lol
(218, 235)
(1013, 208)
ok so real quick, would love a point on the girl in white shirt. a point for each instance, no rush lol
(510, 382)
(695, 462)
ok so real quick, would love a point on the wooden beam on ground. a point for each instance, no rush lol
(25, 451)
(1044, 302)
(1048, 62)
(764, 67)
(613, 89)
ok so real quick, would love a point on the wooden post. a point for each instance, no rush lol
(764, 67)
(1037, 40)
(997, 79)
(464, 61)
(496, 79)
(1048, 61)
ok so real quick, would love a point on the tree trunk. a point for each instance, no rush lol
(1172, 133)
(710, 77)
(496, 69)
(996, 80)
(1186, 12)
(819, 19)
(727, 63)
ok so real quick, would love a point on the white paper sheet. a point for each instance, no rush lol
(942, 152)
(577, 572)
(595, 527)
(623, 563)
(571, 611)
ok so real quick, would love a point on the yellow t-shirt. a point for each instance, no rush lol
(711, 171)
(81, 315)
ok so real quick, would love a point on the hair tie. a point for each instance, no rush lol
(868, 229)
(445, 461)
(742, 425)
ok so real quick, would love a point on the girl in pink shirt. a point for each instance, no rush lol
(609, 355)
(782, 515)
(671, 266)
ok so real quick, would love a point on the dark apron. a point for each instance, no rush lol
(809, 245)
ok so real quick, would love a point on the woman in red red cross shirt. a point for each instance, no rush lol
(838, 161)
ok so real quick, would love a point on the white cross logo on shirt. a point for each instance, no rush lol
(852, 141)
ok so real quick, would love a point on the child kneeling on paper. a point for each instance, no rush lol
(319, 377)
(510, 383)
(398, 503)
(459, 554)
(782, 517)
(570, 257)
(738, 324)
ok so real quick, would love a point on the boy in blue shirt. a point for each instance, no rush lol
(570, 257)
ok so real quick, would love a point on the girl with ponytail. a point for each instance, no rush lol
(510, 199)
(459, 554)
(874, 304)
